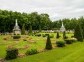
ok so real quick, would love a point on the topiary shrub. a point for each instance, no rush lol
(68, 41)
(48, 43)
(64, 35)
(78, 33)
(43, 35)
(31, 52)
(46, 34)
(5, 38)
(23, 29)
(11, 53)
(38, 35)
(57, 35)
(24, 39)
(16, 36)
(73, 39)
(60, 43)
(72, 36)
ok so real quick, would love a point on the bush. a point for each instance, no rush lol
(16, 36)
(60, 43)
(31, 52)
(23, 29)
(43, 35)
(69, 41)
(5, 38)
(64, 35)
(72, 36)
(46, 34)
(78, 33)
(38, 35)
(48, 43)
(73, 39)
(11, 53)
(57, 35)
(24, 39)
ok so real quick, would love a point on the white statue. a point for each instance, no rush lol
(16, 29)
(62, 29)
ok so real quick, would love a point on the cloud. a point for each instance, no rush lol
(57, 9)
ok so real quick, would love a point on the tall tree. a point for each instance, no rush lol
(23, 29)
(30, 29)
(78, 33)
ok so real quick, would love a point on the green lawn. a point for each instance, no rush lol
(70, 53)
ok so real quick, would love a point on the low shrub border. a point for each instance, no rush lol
(60, 43)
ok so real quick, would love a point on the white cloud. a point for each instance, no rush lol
(57, 9)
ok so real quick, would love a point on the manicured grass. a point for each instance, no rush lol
(70, 53)
(56, 54)
(40, 41)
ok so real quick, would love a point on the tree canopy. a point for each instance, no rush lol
(37, 21)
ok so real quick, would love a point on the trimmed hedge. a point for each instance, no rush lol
(11, 54)
(38, 35)
(68, 41)
(48, 43)
(31, 52)
(16, 36)
(43, 35)
(57, 35)
(60, 43)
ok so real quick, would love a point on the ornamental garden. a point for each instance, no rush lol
(29, 37)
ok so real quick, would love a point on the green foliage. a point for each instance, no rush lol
(11, 53)
(57, 35)
(23, 30)
(60, 43)
(30, 29)
(78, 33)
(16, 36)
(38, 21)
(46, 34)
(51, 36)
(31, 52)
(7, 19)
(39, 28)
(38, 35)
(68, 41)
(43, 35)
(70, 53)
(64, 35)
(48, 43)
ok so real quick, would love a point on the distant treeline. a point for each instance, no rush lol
(37, 21)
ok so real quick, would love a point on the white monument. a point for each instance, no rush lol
(16, 29)
(62, 29)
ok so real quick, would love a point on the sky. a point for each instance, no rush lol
(57, 9)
